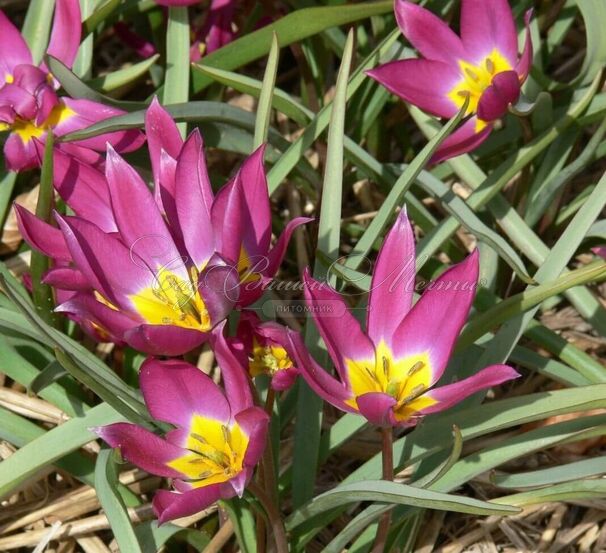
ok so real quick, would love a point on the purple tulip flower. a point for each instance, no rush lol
(218, 439)
(388, 373)
(158, 271)
(30, 106)
(482, 65)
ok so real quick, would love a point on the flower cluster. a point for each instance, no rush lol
(30, 106)
(162, 269)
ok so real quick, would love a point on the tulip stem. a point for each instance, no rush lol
(273, 515)
(385, 522)
(269, 468)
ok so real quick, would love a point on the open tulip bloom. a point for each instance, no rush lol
(218, 438)
(158, 270)
(264, 347)
(482, 65)
(388, 373)
(29, 104)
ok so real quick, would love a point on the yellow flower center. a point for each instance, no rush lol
(406, 380)
(245, 268)
(216, 452)
(172, 300)
(476, 79)
(268, 359)
(26, 130)
(8, 78)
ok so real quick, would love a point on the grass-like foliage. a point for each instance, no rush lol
(302, 275)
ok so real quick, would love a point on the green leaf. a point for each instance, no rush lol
(121, 77)
(82, 364)
(53, 445)
(548, 189)
(281, 101)
(244, 523)
(553, 475)
(309, 405)
(394, 493)
(76, 88)
(47, 376)
(43, 293)
(176, 80)
(519, 303)
(571, 491)
(400, 187)
(317, 126)
(36, 27)
(7, 185)
(16, 367)
(291, 28)
(457, 207)
(106, 483)
(594, 16)
(20, 431)
(219, 117)
(266, 95)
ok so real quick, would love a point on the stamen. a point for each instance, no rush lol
(472, 74)
(414, 394)
(226, 434)
(198, 461)
(370, 373)
(386, 367)
(205, 474)
(490, 66)
(199, 438)
(416, 368)
(463, 94)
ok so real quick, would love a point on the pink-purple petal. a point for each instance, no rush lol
(66, 278)
(193, 200)
(393, 280)
(19, 155)
(377, 407)
(174, 391)
(172, 505)
(142, 448)
(254, 421)
(13, 49)
(146, 236)
(431, 36)
(164, 339)
(523, 66)
(422, 82)
(162, 134)
(84, 189)
(276, 254)
(434, 323)
(256, 213)
(109, 324)
(339, 329)
(227, 220)
(465, 139)
(496, 99)
(87, 112)
(328, 388)
(97, 255)
(66, 32)
(451, 394)
(486, 25)
(41, 236)
(235, 376)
